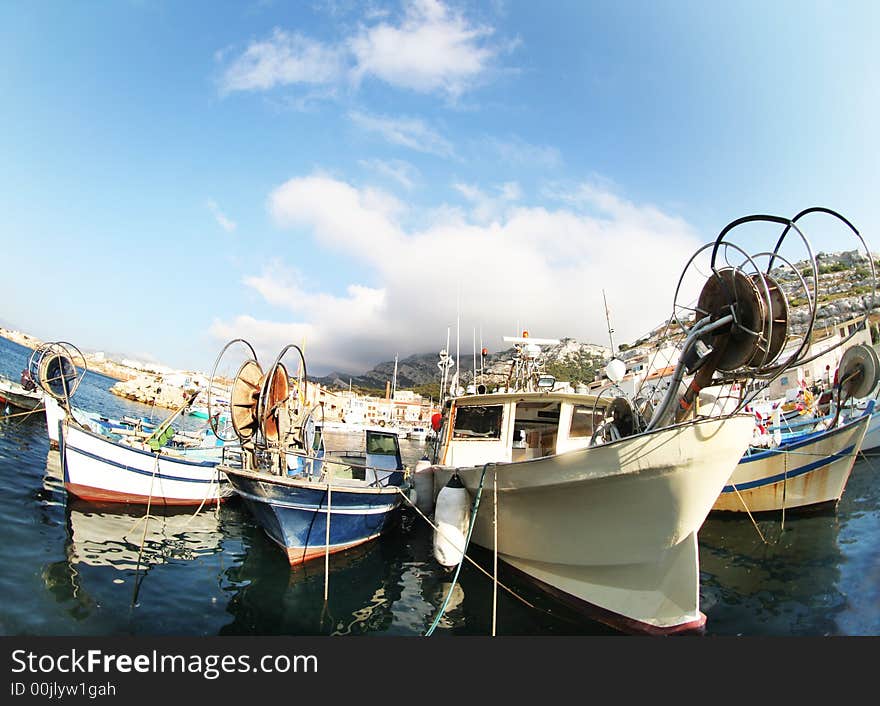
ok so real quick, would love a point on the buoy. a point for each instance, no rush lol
(423, 481)
(452, 517)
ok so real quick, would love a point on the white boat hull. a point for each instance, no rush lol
(801, 473)
(100, 470)
(612, 529)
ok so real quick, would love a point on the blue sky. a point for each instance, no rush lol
(346, 175)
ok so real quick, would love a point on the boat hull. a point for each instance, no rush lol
(612, 529)
(293, 512)
(101, 470)
(872, 435)
(811, 471)
(13, 395)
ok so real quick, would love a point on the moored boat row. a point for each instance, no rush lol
(596, 497)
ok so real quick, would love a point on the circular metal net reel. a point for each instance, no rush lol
(748, 303)
(283, 398)
(243, 397)
(57, 368)
(858, 373)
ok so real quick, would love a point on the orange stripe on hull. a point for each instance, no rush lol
(101, 495)
(298, 555)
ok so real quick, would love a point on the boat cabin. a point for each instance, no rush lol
(510, 427)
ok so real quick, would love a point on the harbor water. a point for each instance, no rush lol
(74, 568)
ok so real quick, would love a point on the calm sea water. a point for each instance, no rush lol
(71, 568)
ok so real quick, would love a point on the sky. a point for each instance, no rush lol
(364, 178)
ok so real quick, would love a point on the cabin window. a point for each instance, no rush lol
(382, 444)
(535, 428)
(478, 422)
(582, 422)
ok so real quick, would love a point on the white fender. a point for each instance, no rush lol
(452, 517)
(423, 481)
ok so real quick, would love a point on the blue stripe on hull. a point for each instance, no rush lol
(295, 517)
(794, 473)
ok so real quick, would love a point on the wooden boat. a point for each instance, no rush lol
(99, 469)
(358, 493)
(806, 470)
(309, 502)
(14, 396)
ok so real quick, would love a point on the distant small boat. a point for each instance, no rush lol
(418, 433)
(15, 396)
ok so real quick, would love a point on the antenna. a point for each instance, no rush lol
(608, 319)
(475, 358)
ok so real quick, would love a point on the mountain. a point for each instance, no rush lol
(567, 360)
(844, 279)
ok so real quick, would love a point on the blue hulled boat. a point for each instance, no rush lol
(358, 492)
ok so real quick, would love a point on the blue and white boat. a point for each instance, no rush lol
(358, 494)
(806, 470)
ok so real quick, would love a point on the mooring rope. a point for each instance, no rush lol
(146, 519)
(473, 562)
(742, 500)
(22, 414)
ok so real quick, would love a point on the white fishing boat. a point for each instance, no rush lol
(128, 470)
(101, 470)
(610, 528)
(599, 499)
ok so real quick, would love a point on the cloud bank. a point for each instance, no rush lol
(506, 265)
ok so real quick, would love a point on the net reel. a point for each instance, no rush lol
(57, 368)
(267, 409)
(741, 328)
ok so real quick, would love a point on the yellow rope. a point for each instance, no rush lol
(742, 500)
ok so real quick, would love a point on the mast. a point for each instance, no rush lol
(608, 319)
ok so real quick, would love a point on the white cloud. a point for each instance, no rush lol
(544, 269)
(284, 58)
(517, 151)
(487, 208)
(400, 171)
(432, 49)
(406, 132)
(223, 221)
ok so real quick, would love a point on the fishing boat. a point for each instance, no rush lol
(807, 470)
(598, 498)
(133, 470)
(14, 396)
(309, 501)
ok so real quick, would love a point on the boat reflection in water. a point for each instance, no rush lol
(111, 549)
(274, 598)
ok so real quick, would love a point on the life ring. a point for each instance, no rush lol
(381, 422)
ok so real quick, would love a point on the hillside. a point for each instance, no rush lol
(843, 276)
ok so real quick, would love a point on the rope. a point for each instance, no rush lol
(495, 551)
(742, 500)
(22, 414)
(461, 561)
(144, 537)
(327, 540)
(473, 563)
